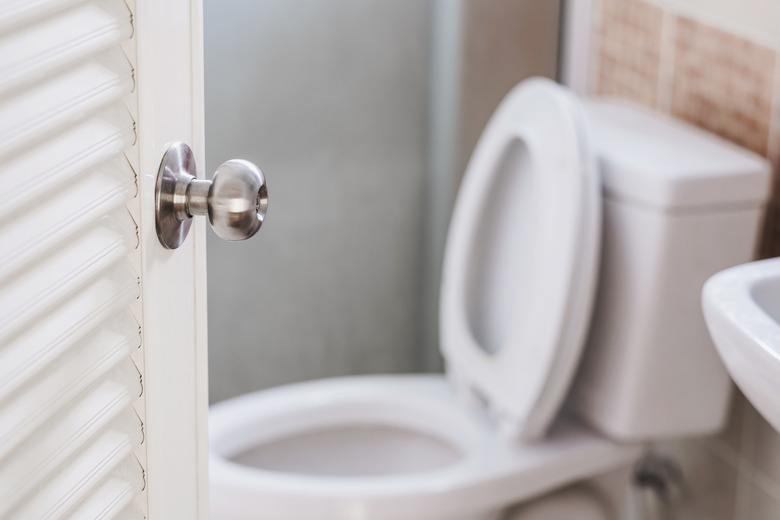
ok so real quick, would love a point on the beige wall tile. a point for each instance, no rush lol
(770, 243)
(770, 234)
(723, 83)
(735, 437)
(613, 488)
(766, 456)
(629, 50)
(763, 505)
(774, 129)
(710, 481)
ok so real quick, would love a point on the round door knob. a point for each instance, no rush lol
(238, 200)
(235, 200)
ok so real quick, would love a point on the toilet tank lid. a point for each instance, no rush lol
(653, 159)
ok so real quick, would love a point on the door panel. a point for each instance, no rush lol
(70, 427)
(102, 330)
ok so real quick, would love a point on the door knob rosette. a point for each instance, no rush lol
(235, 200)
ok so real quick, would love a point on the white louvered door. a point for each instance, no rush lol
(103, 395)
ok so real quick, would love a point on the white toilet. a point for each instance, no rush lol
(519, 306)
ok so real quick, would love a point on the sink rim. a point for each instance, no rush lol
(746, 336)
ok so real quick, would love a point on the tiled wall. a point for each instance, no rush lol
(715, 64)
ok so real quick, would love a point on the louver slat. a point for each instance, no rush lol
(107, 189)
(64, 383)
(30, 352)
(27, 296)
(58, 42)
(47, 449)
(15, 13)
(71, 430)
(108, 502)
(37, 113)
(62, 159)
(108, 455)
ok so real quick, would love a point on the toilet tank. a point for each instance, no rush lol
(679, 205)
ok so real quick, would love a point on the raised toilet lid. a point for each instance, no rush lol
(521, 262)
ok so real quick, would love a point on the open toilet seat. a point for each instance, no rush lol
(484, 468)
(521, 264)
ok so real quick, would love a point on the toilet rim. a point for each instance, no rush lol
(395, 401)
(418, 403)
(490, 471)
(526, 379)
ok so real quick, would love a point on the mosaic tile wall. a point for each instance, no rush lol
(675, 57)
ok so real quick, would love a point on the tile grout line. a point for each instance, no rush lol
(773, 145)
(769, 239)
(667, 54)
(723, 451)
(594, 54)
(747, 444)
(766, 484)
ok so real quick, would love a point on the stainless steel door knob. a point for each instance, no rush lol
(235, 200)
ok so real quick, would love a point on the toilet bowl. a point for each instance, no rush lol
(520, 276)
(384, 447)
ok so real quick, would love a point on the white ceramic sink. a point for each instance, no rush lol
(742, 310)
